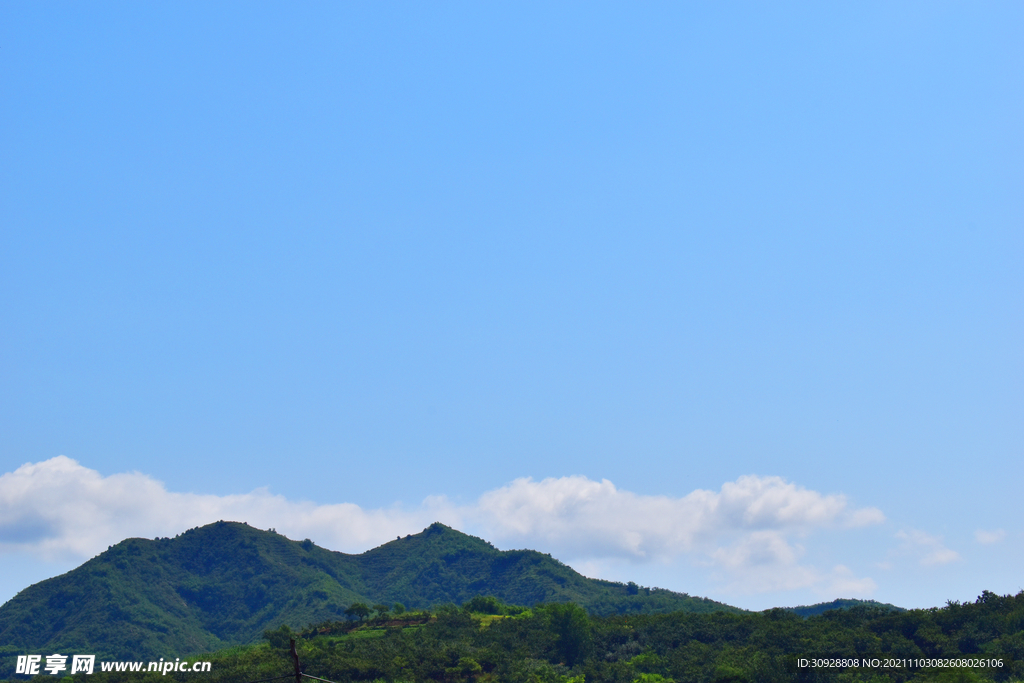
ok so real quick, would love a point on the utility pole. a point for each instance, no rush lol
(295, 660)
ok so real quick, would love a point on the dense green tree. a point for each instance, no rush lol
(279, 638)
(359, 610)
(560, 643)
(484, 605)
(571, 626)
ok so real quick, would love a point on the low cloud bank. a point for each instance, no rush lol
(929, 550)
(748, 533)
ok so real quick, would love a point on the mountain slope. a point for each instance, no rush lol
(225, 583)
(842, 603)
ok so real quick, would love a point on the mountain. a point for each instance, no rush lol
(842, 603)
(225, 583)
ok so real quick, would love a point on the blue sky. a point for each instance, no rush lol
(469, 261)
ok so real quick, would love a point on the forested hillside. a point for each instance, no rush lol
(821, 607)
(560, 643)
(225, 583)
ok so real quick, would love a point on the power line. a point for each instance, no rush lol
(317, 679)
(277, 678)
(298, 674)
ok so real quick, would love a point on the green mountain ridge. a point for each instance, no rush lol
(225, 583)
(842, 603)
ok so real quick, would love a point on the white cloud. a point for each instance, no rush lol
(843, 583)
(763, 562)
(580, 514)
(766, 562)
(58, 509)
(744, 532)
(989, 537)
(930, 550)
(865, 517)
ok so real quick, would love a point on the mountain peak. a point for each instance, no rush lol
(225, 583)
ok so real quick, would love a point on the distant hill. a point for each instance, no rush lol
(842, 603)
(225, 583)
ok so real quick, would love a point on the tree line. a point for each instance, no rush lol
(487, 641)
